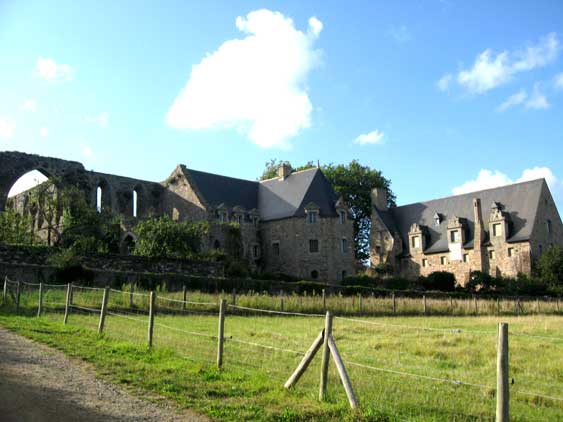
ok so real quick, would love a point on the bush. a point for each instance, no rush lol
(551, 266)
(439, 280)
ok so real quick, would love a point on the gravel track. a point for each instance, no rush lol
(40, 384)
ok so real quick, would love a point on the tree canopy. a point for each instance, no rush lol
(551, 266)
(354, 182)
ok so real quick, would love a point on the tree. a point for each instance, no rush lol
(551, 266)
(439, 280)
(16, 229)
(165, 238)
(272, 166)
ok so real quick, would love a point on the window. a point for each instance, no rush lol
(99, 199)
(255, 251)
(540, 247)
(238, 218)
(443, 260)
(135, 199)
(344, 245)
(313, 245)
(344, 274)
(510, 252)
(465, 257)
(416, 242)
(216, 244)
(342, 216)
(312, 217)
(314, 274)
(425, 263)
(223, 216)
(378, 250)
(454, 236)
(492, 254)
(255, 220)
(276, 248)
(548, 224)
(497, 229)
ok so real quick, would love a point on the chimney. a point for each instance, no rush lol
(379, 198)
(284, 171)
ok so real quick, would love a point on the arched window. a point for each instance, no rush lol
(216, 244)
(135, 199)
(314, 274)
(99, 193)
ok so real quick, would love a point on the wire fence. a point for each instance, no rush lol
(271, 343)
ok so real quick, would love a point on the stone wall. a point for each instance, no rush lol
(293, 235)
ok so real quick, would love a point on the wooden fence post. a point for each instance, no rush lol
(103, 311)
(498, 306)
(475, 305)
(394, 303)
(18, 295)
(5, 291)
(40, 300)
(451, 305)
(67, 304)
(281, 300)
(360, 303)
(343, 374)
(424, 304)
(152, 301)
(234, 299)
(184, 296)
(324, 301)
(537, 305)
(307, 359)
(71, 294)
(556, 304)
(131, 291)
(502, 414)
(518, 307)
(326, 355)
(221, 333)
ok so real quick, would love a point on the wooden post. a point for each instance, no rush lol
(18, 295)
(5, 291)
(40, 300)
(281, 300)
(103, 311)
(184, 297)
(221, 336)
(67, 304)
(502, 374)
(498, 306)
(537, 305)
(152, 301)
(234, 301)
(451, 305)
(326, 355)
(394, 301)
(343, 374)
(324, 301)
(71, 294)
(518, 307)
(556, 304)
(424, 304)
(307, 359)
(131, 299)
(475, 305)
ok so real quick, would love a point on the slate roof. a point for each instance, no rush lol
(288, 198)
(274, 198)
(519, 200)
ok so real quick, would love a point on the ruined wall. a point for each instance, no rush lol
(293, 235)
(180, 201)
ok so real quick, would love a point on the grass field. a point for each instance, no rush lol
(402, 368)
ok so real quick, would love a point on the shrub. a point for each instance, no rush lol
(551, 266)
(439, 280)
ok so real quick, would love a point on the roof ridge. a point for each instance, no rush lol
(292, 173)
(220, 175)
(473, 192)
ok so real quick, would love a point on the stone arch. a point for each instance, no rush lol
(140, 201)
(103, 195)
(128, 243)
(14, 164)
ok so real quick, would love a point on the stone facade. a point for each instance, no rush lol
(276, 210)
(459, 235)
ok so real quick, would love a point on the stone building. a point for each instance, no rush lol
(292, 224)
(500, 231)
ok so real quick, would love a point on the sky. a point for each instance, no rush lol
(444, 97)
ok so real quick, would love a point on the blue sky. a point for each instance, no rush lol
(441, 96)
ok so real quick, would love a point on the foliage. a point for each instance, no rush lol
(272, 166)
(551, 266)
(439, 280)
(165, 238)
(16, 229)
(382, 270)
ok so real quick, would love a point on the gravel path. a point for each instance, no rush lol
(40, 384)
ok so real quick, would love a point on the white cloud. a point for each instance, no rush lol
(27, 181)
(487, 179)
(537, 100)
(513, 100)
(49, 70)
(401, 33)
(558, 81)
(490, 71)
(7, 128)
(44, 131)
(86, 151)
(372, 138)
(29, 105)
(255, 85)
(101, 119)
(443, 83)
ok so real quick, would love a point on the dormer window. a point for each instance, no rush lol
(341, 216)
(497, 229)
(437, 219)
(415, 242)
(454, 236)
(312, 217)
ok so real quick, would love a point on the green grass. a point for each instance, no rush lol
(250, 386)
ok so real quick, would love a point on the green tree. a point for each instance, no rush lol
(166, 238)
(271, 168)
(16, 229)
(551, 266)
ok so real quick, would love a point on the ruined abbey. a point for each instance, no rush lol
(292, 224)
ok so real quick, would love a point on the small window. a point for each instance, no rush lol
(548, 224)
(276, 248)
(378, 249)
(223, 216)
(314, 274)
(425, 263)
(344, 245)
(510, 252)
(416, 242)
(454, 236)
(344, 274)
(312, 217)
(238, 218)
(492, 254)
(313, 245)
(465, 257)
(342, 217)
(255, 251)
(437, 221)
(540, 247)
(216, 244)
(497, 229)
(443, 260)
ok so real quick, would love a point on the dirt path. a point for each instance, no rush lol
(40, 384)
